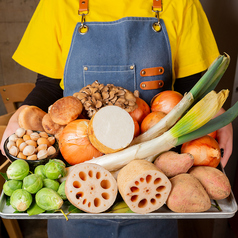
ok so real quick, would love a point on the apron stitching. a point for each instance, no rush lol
(69, 54)
(168, 45)
(111, 66)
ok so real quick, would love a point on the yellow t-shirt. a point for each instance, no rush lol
(46, 42)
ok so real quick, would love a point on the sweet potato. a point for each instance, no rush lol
(172, 163)
(187, 195)
(214, 181)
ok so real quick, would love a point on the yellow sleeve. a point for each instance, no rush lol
(196, 46)
(40, 49)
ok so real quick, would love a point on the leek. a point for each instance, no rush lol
(207, 83)
(195, 118)
(213, 125)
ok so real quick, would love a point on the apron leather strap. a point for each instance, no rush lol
(157, 5)
(83, 7)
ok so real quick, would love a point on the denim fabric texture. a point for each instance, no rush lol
(99, 228)
(115, 52)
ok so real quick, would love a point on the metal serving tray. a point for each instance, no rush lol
(228, 207)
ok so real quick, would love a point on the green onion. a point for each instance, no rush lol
(196, 117)
(200, 113)
(213, 125)
(206, 84)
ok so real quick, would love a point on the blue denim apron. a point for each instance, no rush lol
(117, 52)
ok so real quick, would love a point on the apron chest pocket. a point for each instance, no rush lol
(119, 75)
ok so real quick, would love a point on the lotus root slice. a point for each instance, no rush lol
(91, 188)
(143, 187)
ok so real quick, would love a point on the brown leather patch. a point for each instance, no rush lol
(157, 4)
(148, 85)
(151, 71)
(83, 6)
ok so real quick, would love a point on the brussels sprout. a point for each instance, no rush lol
(18, 170)
(55, 169)
(61, 190)
(11, 185)
(21, 200)
(48, 199)
(40, 171)
(32, 183)
(50, 183)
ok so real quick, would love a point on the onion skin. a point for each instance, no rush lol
(137, 130)
(141, 111)
(213, 134)
(74, 143)
(151, 119)
(165, 101)
(205, 150)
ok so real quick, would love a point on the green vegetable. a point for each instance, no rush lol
(213, 125)
(206, 84)
(196, 117)
(50, 183)
(55, 169)
(40, 171)
(32, 183)
(61, 190)
(48, 199)
(34, 209)
(18, 170)
(20, 200)
(11, 185)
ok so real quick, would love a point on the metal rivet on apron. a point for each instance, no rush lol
(160, 70)
(160, 83)
(7, 99)
(85, 68)
(143, 72)
(143, 85)
(132, 67)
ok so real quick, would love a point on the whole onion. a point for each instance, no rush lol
(137, 128)
(205, 150)
(74, 143)
(151, 119)
(141, 111)
(165, 101)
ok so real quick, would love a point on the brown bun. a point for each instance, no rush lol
(30, 118)
(50, 126)
(65, 110)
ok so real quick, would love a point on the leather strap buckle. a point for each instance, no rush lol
(83, 11)
(157, 8)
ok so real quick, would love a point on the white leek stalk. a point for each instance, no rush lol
(207, 83)
(196, 117)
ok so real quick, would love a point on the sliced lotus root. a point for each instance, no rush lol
(111, 129)
(30, 118)
(91, 188)
(143, 187)
(65, 110)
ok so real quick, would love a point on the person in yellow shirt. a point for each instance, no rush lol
(70, 44)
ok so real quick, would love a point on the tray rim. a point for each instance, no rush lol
(212, 213)
(153, 215)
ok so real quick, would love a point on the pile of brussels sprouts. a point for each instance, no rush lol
(37, 191)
